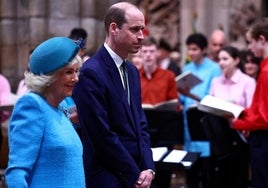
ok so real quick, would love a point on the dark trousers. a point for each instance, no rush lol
(201, 173)
(1, 137)
(232, 171)
(229, 153)
(162, 179)
(258, 142)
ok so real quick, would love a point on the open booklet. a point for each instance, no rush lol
(159, 153)
(170, 105)
(187, 80)
(219, 107)
(170, 156)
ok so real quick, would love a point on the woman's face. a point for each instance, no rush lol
(227, 63)
(250, 67)
(65, 81)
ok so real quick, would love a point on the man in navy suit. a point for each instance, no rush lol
(115, 136)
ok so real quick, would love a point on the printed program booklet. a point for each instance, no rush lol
(162, 154)
(171, 105)
(187, 80)
(220, 107)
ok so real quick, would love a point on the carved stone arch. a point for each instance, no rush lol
(162, 19)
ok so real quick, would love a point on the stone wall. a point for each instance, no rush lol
(174, 20)
(26, 23)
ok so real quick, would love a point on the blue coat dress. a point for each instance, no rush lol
(114, 134)
(44, 148)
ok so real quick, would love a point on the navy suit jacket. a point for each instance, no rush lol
(114, 134)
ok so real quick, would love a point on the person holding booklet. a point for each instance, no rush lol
(238, 88)
(255, 118)
(164, 59)
(233, 85)
(157, 85)
(205, 69)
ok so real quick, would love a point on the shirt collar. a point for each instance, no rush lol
(164, 63)
(117, 59)
(143, 73)
(234, 78)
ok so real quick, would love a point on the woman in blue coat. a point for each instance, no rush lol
(44, 148)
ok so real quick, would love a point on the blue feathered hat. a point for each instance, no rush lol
(52, 54)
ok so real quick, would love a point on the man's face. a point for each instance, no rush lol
(149, 55)
(129, 37)
(195, 53)
(215, 44)
(254, 45)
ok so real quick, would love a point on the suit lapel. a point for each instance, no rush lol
(114, 76)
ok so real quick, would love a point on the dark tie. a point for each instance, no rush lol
(123, 70)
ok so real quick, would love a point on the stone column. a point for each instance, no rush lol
(187, 24)
(62, 17)
(204, 16)
(9, 39)
(92, 15)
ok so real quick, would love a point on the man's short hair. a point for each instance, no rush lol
(77, 33)
(199, 39)
(148, 41)
(163, 44)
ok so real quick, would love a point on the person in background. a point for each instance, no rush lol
(217, 40)
(79, 36)
(5, 93)
(175, 57)
(80, 33)
(255, 118)
(164, 59)
(22, 87)
(115, 135)
(206, 69)
(200, 65)
(232, 79)
(236, 87)
(157, 85)
(136, 59)
(44, 149)
(250, 64)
